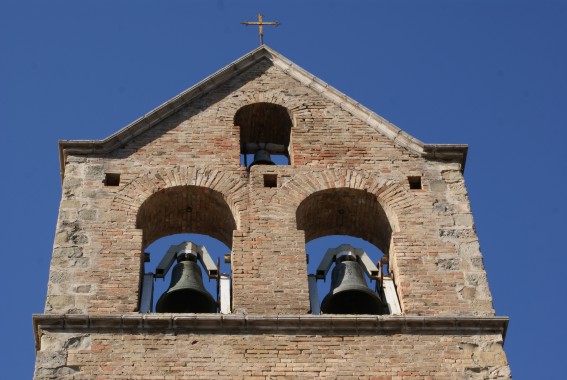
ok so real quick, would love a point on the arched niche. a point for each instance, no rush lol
(345, 211)
(186, 209)
(265, 126)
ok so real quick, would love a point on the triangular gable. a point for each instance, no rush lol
(146, 122)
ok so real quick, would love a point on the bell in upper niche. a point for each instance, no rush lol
(186, 293)
(262, 157)
(349, 292)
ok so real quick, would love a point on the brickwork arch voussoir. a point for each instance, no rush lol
(273, 96)
(137, 191)
(391, 195)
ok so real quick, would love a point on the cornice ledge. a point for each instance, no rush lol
(447, 152)
(304, 324)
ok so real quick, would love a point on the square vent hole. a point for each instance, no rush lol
(270, 180)
(414, 182)
(112, 179)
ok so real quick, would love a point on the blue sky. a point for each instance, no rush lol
(488, 73)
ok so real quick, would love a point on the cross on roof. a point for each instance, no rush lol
(260, 24)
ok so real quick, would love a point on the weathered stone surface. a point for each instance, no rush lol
(88, 214)
(438, 186)
(83, 289)
(59, 302)
(448, 264)
(94, 171)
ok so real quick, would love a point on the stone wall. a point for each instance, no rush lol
(272, 354)
(102, 230)
(184, 176)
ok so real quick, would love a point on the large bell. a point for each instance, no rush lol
(349, 293)
(262, 157)
(186, 293)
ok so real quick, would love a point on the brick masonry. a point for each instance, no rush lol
(346, 176)
(276, 356)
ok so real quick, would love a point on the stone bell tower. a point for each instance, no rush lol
(202, 163)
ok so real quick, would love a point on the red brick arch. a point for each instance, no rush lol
(181, 200)
(344, 211)
(348, 202)
(277, 97)
(185, 209)
(264, 122)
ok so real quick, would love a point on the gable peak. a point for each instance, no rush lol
(146, 122)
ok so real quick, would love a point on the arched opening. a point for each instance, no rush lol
(265, 130)
(317, 248)
(158, 248)
(184, 214)
(345, 211)
(185, 209)
(333, 217)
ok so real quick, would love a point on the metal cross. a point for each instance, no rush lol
(260, 24)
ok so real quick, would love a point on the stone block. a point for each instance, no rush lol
(437, 186)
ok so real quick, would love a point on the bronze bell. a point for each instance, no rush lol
(186, 293)
(349, 293)
(262, 157)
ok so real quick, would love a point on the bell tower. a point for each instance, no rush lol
(265, 158)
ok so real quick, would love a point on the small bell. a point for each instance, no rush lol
(186, 293)
(349, 293)
(262, 157)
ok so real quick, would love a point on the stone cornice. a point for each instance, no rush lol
(447, 152)
(281, 324)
